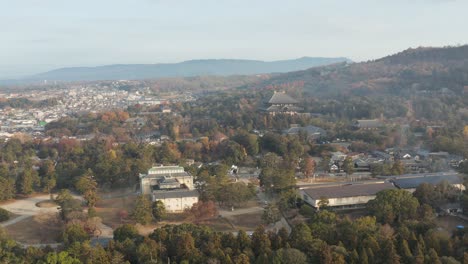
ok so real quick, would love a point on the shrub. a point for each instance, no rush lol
(125, 231)
(307, 210)
(4, 215)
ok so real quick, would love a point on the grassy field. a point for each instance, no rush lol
(450, 223)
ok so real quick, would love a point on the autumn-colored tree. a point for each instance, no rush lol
(185, 247)
(122, 214)
(88, 186)
(7, 185)
(260, 241)
(27, 180)
(74, 232)
(271, 214)
(307, 166)
(148, 251)
(203, 210)
(323, 203)
(397, 168)
(67, 204)
(158, 210)
(142, 211)
(394, 205)
(126, 231)
(348, 166)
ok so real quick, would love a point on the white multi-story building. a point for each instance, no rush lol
(170, 184)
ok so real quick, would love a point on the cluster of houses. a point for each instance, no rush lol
(412, 161)
(76, 99)
(357, 194)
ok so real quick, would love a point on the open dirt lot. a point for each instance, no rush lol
(38, 229)
(47, 204)
(108, 209)
(219, 224)
(247, 222)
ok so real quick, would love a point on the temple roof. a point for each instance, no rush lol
(372, 123)
(282, 98)
(278, 108)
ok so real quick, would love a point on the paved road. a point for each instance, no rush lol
(226, 213)
(106, 235)
(52, 245)
(26, 208)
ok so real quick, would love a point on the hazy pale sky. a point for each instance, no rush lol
(39, 35)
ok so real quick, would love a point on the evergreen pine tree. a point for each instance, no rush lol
(354, 257)
(405, 252)
(363, 257)
(418, 255)
(389, 254)
(433, 257)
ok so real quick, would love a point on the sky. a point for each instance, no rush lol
(40, 35)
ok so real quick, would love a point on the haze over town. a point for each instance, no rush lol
(43, 35)
(234, 132)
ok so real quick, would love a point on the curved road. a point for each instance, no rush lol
(26, 208)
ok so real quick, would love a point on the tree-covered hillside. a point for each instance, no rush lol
(406, 73)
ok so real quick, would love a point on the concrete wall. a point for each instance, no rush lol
(187, 180)
(345, 201)
(178, 204)
(349, 200)
(145, 186)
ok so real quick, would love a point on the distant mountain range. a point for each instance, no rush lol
(190, 68)
(412, 71)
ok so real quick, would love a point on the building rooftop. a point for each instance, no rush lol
(347, 190)
(369, 123)
(310, 130)
(414, 182)
(182, 193)
(282, 98)
(164, 170)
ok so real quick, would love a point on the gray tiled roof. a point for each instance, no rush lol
(282, 98)
(373, 123)
(277, 108)
(311, 130)
(174, 194)
(347, 190)
(413, 182)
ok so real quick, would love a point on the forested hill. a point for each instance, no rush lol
(182, 69)
(434, 55)
(409, 72)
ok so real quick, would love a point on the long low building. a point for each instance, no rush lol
(344, 196)
(411, 182)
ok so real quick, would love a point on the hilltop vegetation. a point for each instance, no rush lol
(405, 73)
